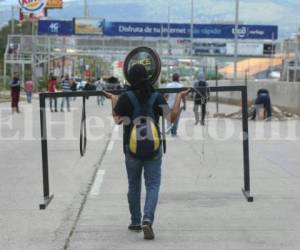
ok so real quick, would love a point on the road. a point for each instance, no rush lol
(201, 204)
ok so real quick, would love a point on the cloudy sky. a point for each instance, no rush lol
(284, 13)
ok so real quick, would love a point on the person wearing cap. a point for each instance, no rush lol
(122, 112)
(200, 97)
(171, 98)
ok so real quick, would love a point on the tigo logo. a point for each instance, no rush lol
(32, 6)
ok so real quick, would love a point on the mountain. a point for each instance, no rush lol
(275, 12)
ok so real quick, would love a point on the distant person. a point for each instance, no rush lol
(139, 109)
(100, 86)
(65, 87)
(171, 102)
(52, 88)
(200, 97)
(263, 100)
(15, 88)
(28, 86)
(89, 86)
(73, 87)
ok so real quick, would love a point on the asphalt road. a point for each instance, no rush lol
(201, 204)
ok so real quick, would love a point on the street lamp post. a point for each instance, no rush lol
(86, 14)
(169, 44)
(192, 36)
(12, 19)
(236, 38)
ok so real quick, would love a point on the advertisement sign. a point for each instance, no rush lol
(32, 6)
(209, 48)
(54, 4)
(246, 49)
(269, 49)
(174, 30)
(89, 26)
(30, 16)
(55, 27)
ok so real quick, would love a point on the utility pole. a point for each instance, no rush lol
(86, 14)
(169, 44)
(192, 37)
(236, 38)
(12, 19)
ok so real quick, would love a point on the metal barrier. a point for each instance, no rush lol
(83, 140)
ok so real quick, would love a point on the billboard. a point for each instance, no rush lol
(55, 27)
(54, 4)
(245, 49)
(176, 30)
(32, 6)
(89, 26)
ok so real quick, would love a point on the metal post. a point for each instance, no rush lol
(169, 44)
(86, 14)
(23, 73)
(217, 85)
(236, 38)
(246, 77)
(192, 36)
(246, 189)
(4, 74)
(46, 188)
(12, 19)
(296, 61)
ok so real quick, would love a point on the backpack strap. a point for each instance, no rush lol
(135, 103)
(152, 99)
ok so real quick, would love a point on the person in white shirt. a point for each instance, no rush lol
(100, 86)
(171, 101)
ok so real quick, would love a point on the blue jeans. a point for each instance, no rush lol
(152, 175)
(67, 99)
(29, 96)
(100, 100)
(176, 123)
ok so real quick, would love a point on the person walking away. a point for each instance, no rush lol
(89, 87)
(100, 86)
(65, 87)
(28, 89)
(15, 88)
(200, 97)
(139, 109)
(52, 88)
(263, 100)
(73, 87)
(171, 98)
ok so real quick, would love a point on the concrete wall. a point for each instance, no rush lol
(284, 95)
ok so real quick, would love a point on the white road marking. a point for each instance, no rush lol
(113, 138)
(95, 191)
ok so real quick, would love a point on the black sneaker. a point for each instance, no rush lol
(135, 228)
(148, 232)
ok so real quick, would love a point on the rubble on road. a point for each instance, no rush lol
(277, 114)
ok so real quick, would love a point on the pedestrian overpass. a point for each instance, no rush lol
(41, 50)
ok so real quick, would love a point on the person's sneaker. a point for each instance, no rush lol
(135, 228)
(148, 231)
(202, 123)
